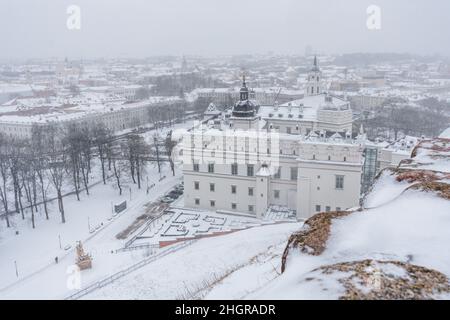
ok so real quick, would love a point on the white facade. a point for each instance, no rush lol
(230, 172)
(299, 155)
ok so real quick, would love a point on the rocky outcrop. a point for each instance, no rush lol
(313, 236)
(393, 280)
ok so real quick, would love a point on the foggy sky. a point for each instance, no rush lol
(140, 28)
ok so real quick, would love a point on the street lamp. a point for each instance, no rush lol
(17, 271)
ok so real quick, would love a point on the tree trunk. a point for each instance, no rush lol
(138, 173)
(116, 174)
(21, 204)
(75, 184)
(85, 179)
(44, 197)
(61, 206)
(102, 161)
(5, 206)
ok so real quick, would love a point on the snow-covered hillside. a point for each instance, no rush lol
(193, 272)
(395, 247)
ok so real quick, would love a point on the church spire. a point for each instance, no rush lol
(244, 90)
(315, 66)
(314, 84)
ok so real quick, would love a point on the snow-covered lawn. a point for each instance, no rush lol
(183, 273)
(34, 250)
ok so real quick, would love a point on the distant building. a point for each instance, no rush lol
(299, 155)
(17, 120)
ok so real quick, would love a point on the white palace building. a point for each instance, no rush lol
(299, 155)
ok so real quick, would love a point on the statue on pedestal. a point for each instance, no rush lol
(84, 260)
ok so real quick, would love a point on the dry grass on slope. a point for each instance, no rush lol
(313, 236)
(436, 145)
(411, 176)
(381, 280)
(440, 188)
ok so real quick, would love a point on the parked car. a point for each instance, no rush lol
(167, 200)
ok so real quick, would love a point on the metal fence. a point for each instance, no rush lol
(102, 283)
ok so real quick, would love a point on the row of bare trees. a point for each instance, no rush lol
(429, 118)
(58, 159)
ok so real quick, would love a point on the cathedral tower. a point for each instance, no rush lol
(314, 84)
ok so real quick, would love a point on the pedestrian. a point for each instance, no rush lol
(56, 260)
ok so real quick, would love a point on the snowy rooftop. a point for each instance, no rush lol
(305, 108)
(40, 110)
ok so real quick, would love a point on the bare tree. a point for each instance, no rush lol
(56, 167)
(28, 178)
(170, 145)
(156, 151)
(137, 151)
(101, 139)
(117, 169)
(71, 140)
(4, 167)
(40, 161)
(85, 143)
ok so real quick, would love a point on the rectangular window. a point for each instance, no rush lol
(250, 170)
(196, 167)
(250, 208)
(212, 203)
(233, 206)
(211, 167)
(233, 189)
(317, 207)
(338, 208)
(196, 185)
(276, 194)
(288, 130)
(212, 187)
(327, 208)
(197, 201)
(234, 169)
(294, 173)
(250, 191)
(339, 182)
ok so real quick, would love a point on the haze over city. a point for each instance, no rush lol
(138, 28)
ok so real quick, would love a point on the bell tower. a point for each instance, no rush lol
(314, 80)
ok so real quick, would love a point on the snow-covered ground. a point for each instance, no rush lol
(384, 190)
(399, 224)
(34, 250)
(192, 271)
(412, 228)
